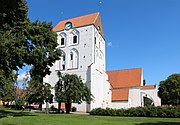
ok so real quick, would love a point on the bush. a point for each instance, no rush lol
(171, 112)
(53, 109)
(74, 109)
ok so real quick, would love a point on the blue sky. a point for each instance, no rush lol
(138, 33)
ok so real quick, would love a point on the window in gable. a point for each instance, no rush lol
(62, 41)
(74, 39)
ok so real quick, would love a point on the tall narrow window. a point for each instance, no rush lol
(63, 67)
(63, 57)
(63, 60)
(74, 39)
(71, 56)
(95, 40)
(62, 41)
(73, 59)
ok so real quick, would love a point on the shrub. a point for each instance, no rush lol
(74, 109)
(53, 109)
(171, 112)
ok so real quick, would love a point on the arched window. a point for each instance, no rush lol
(62, 42)
(73, 59)
(62, 39)
(74, 37)
(60, 64)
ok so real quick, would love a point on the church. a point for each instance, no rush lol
(81, 40)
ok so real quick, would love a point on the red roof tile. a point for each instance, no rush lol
(120, 94)
(93, 18)
(125, 78)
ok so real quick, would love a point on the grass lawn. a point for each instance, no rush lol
(11, 117)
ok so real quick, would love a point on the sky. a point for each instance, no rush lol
(138, 33)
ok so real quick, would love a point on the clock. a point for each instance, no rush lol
(68, 26)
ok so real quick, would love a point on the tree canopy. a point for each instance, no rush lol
(23, 42)
(71, 89)
(169, 90)
(38, 93)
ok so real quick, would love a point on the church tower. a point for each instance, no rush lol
(81, 40)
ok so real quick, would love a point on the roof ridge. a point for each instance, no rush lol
(79, 16)
(122, 69)
(96, 17)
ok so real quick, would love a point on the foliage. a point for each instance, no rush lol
(148, 102)
(71, 89)
(8, 87)
(171, 112)
(59, 95)
(53, 109)
(74, 109)
(169, 90)
(23, 42)
(37, 92)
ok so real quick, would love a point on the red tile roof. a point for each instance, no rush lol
(125, 78)
(120, 94)
(148, 87)
(122, 80)
(93, 18)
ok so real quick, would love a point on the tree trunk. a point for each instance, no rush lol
(40, 106)
(47, 108)
(68, 107)
(59, 106)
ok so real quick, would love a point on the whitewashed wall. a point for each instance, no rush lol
(119, 105)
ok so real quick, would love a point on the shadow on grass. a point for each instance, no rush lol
(5, 113)
(160, 123)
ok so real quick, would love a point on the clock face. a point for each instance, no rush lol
(68, 26)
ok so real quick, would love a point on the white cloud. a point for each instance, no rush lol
(109, 44)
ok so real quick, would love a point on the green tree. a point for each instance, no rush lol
(8, 87)
(38, 92)
(59, 94)
(24, 42)
(169, 90)
(71, 89)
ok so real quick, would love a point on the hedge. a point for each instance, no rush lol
(168, 112)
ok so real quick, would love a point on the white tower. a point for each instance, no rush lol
(82, 42)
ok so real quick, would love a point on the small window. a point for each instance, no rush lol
(62, 41)
(94, 40)
(71, 56)
(63, 57)
(63, 67)
(74, 39)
